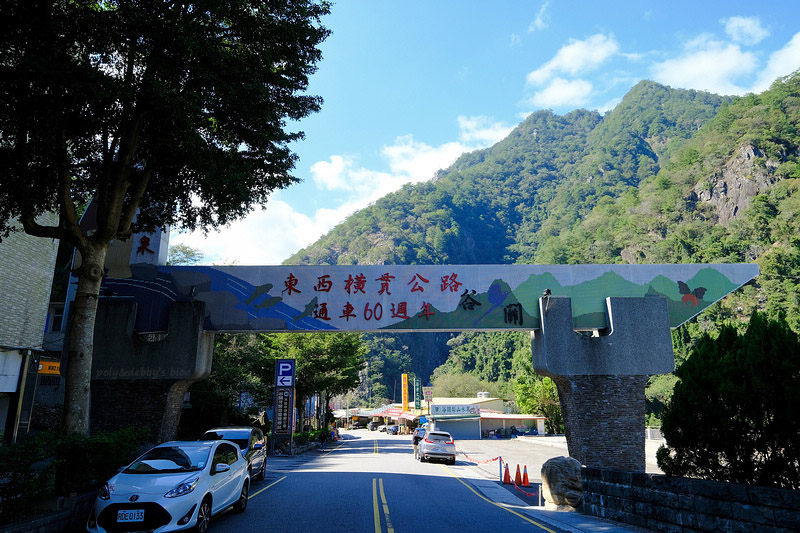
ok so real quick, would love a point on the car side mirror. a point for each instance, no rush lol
(221, 467)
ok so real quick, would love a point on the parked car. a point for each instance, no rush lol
(372, 426)
(437, 445)
(393, 430)
(250, 440)
(358, 425)
(172, 487)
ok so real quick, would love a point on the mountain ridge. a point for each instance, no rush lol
(667, 176)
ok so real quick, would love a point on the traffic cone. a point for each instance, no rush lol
(525, 482)
(506, 477)
(518, 478)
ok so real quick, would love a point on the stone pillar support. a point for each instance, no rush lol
(601, 378)
(139, 379)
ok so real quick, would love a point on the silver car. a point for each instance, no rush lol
(437, 445)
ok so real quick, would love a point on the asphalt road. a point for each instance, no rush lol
(370, 482)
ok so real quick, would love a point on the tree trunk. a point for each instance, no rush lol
(77, 396)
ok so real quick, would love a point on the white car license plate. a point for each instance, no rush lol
(132, 515)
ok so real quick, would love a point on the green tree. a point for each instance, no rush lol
(537, 395)
(145, 107)
(243, 368)
(183, 254)
(735, 413)
(458, 385)
(328, 364)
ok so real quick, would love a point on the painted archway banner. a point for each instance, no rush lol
(413, 297)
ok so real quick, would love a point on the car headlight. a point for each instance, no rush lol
(105, 492)
(183, 488)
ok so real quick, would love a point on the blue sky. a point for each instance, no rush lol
(409, 86)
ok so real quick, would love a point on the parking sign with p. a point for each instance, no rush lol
(284, 375)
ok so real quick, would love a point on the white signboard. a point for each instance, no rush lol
(445, 409)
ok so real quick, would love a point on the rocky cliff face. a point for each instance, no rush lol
(731, 189)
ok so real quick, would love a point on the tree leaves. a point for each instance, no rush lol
(735, 414)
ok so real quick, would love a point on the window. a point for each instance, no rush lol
(225, 454)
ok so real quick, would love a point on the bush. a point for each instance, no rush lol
(735, 414)
(50, 464)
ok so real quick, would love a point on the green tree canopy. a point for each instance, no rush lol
(537, 395)
(163, 113)
(328, 364)
(735, 413)
(183, 254)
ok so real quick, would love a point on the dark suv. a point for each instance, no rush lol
(250, 440)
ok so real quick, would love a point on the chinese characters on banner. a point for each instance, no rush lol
(472, 409)
(419, 297)
(370, 298)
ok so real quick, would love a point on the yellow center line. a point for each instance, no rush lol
(375, 512)
(484, 498)
(376, 515)
(253, 495)
(389, 528)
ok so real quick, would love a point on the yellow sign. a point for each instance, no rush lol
(405, 392)
(50, 367)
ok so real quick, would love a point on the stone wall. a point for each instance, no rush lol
(663, 503)
(603, 419)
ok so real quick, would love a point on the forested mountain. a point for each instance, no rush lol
(668, 176)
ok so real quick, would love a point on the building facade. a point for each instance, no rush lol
(26, 275)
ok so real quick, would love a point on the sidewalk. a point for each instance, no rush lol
(532, 452)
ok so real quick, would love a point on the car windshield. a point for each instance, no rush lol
(170, 459)
(240, 438)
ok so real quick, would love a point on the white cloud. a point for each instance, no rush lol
(482, 130)
(265, 237)
(706, 65)
(781, 63)
(270, 236)
(561, 92)
(575, 58)
(341, 173)
(539, 22)
(330, 174)
(608, 106)
(745, 30)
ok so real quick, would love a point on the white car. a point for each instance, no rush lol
(437, 445)
(172, 487)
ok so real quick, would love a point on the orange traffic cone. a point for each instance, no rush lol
(525, 482)
(506, 477)
(518, 478)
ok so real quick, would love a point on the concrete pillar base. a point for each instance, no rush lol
(139, 379)
(601, 377)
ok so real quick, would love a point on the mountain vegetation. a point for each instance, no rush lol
(668, 176)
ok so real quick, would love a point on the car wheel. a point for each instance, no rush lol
(203, 516)
(452, 462)
(241, 503)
